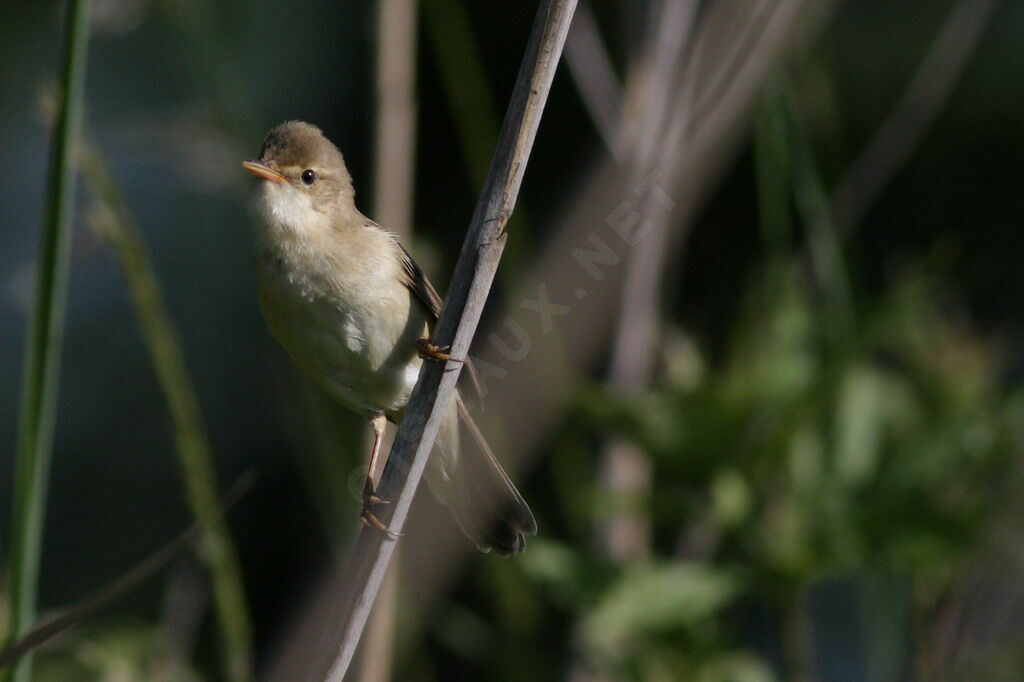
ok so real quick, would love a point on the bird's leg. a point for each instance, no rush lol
(429, 351)
(370, 499)
(377, 423)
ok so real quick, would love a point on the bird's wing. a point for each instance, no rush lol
(418, 283)
(426, 294)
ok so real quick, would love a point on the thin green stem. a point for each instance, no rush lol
(461, 68)
(823, 240)
(45, 333)
(771, 161)
(465, 82)
(114, 223)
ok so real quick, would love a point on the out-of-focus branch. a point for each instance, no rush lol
(727, 57)
(653, 80)
(471, 283)
(592, 69)
(115, 225)
(920, 104)
(711, 126)
(624, 472)
(377, 655)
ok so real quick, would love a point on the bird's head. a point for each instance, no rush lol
(303, 176)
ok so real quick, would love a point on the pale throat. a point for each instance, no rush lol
(307, 243)
(288, 213)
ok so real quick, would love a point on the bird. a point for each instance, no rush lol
(355, 312)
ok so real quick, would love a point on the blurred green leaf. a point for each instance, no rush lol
(859, 425)
(572, 579)
(657, 598)
(738, 667)
(731, 498)
(115, 652)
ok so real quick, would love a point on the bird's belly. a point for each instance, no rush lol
(362, 352)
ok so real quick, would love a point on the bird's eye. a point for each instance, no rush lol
(309, 176)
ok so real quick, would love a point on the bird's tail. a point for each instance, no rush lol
(469, 480)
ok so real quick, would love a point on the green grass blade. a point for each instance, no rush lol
(43, 345)
(115, 225)
(824, 243)
(460, 65)
(773, 175)
(469, 96)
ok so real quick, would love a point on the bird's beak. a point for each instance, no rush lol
(262, 170)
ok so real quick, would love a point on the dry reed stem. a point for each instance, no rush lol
(471, 283)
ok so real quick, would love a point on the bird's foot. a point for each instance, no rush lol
(430, 351)
(368, 518)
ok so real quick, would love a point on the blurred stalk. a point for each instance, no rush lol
(774, 177)
(461, 68)
(622, 531)
(377, 653)
(465, 82)
(823, 240)
(323, 465)
(624, 470)
(592, 70)
(393, 186)
(772, 167)
(395, 153)
(922, 101)
(45, 335)
(114, 224)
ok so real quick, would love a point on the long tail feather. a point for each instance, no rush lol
(482, 498)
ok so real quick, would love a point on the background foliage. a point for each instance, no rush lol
(834, 431)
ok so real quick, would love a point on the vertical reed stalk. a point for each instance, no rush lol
(393, 192)
(396, 115)
(43, 344)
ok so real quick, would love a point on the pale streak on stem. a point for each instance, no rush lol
(471, 283)
(920, 104)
